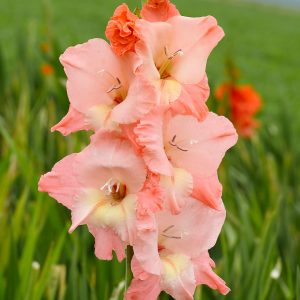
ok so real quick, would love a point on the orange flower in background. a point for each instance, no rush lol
(243, 102)
(47, 69)
(120, 30)
(159, 10)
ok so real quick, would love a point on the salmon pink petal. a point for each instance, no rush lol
(191, 232)
(145, 246)
(178, 276)
(73, 121)
(117, 215)
(154, 38)
(62, 188)
(145, 249)
(142, 284)
(158, 10)
(84, 204)
(192, 100)
(204, 274)
(150, 198)
(141, 98)
(196, 146)
(149, 136)
(127, 131)
(177, 188)
(208, 190)
(110, 156)
(92, 69)
(170, 90)
(105, 242)
(196, 38)
(99, 117)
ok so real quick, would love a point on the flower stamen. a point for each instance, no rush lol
(163, 68)
(170, 236)
(172, 143)
(116, 86)
(114, 189)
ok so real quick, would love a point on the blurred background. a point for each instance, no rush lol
(258, 252)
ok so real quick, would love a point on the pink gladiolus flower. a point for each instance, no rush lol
(187, 150)
(98, 83)
(158, 10)
(173, 56)
(180, 246)
(98, 187)
(120, 30)
(155, 151)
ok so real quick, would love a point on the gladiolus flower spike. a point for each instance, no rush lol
(148, 179)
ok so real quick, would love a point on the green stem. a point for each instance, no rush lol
(128, 275)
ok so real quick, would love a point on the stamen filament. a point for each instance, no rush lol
(172, 236)
(116, 86)
(163, 68)
(168, 228)
(172, 143)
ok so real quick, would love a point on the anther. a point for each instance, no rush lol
(111, 78)
(178, 52)
(168, 228)
(164, 234)
(172, 236)
(163, 68)
(172, 143)
(115, 189)
(115, 86)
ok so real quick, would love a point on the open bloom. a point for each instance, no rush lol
(174, 54)
(187, 152)
(180, 245)
(98, 83)
(120, 30)
(158, 10)
(243, 102)
(98, 187)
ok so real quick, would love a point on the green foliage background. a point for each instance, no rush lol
(258, 250)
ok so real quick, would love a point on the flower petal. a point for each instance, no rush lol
(145, 249)
(150, 198)
(110, 156)
(105, 242)
(92, 69)
(204, 275)
(60, 187)
(84, 204)
(191, 232)
(155, 11)
(178, 188)
(178, 276)
(192, 100)
(149, 135)
(142, 284)
(199, 147)
(170, 91)
(196, 37)
(121, 217)
(154, 38)
(99, 117)
(142, 97)
(73, 121)
(208, 190)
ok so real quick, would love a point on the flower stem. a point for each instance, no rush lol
(128, 275)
